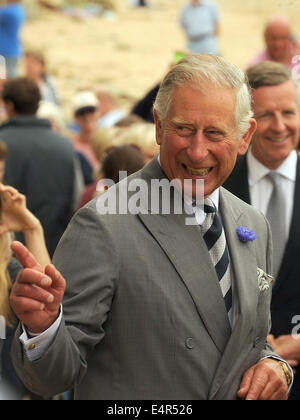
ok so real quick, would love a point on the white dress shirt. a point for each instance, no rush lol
(261, 187)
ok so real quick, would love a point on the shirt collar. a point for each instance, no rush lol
(257, 170)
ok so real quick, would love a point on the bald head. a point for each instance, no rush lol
(278, 23)
(278, 38)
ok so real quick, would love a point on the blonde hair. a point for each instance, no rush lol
(140, 134)
(102, 139)
(5, 282)
(52, 112)
(3, 150)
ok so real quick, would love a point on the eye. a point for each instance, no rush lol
(289, 112)
(214, 134)
(184, 131)
(263, 116)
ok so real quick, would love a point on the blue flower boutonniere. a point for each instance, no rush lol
(245, 234)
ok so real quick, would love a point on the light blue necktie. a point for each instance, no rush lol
(276, 214)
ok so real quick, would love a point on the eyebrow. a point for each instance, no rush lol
(271, 111)
(178, 121)
(182, 122)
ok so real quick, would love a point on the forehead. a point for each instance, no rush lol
(278, 31)
(195, 105)
(32, 59)
(273, 97)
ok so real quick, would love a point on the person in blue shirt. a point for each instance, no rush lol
(12, 17)
(200, 22)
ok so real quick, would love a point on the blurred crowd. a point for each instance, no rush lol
(51, 166)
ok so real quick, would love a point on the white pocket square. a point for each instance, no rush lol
(264, 280)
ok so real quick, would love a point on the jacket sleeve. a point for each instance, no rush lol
(87, 259)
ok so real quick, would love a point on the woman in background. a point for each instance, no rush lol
(128, 158)
(15, 217)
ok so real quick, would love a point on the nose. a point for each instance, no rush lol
(278, 123)
(197, 149)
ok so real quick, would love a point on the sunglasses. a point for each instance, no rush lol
(85, 110)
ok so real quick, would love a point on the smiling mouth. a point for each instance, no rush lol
(277, 140)
(202, 172)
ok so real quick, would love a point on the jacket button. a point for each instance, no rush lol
(189, 342)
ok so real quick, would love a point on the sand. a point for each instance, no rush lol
(130, 51)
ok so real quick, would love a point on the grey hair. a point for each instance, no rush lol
(197, 70)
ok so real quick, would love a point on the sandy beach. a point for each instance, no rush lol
(130, 50)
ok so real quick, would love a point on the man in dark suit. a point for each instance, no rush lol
(40, 163)
(268, 177)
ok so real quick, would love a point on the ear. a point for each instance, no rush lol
(158, 127)
(246, 139)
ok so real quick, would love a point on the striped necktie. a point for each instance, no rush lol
(214, 237)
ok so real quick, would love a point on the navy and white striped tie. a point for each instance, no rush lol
(214, 237)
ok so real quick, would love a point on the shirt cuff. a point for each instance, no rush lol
(36, 345)
(288, 366)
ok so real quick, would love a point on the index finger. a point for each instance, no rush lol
(25, 257)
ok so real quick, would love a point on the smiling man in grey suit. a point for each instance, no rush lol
(149, 312)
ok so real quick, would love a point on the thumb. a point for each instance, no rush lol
(25, 257)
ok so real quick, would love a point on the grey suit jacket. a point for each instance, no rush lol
(143, 314)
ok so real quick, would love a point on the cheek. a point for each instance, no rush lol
(258, 136)
(227, 159)
(171, 145)
(296, 131)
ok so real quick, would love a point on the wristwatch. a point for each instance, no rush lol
(287, 372)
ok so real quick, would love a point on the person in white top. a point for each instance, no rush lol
(276, 103)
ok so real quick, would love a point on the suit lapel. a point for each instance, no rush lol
(186, 250)
(244, 268)
(242, 255)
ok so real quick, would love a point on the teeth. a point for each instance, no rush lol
(277, 140)
(199, 172)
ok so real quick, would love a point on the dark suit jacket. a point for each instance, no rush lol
(286, 291)
(40, 164)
